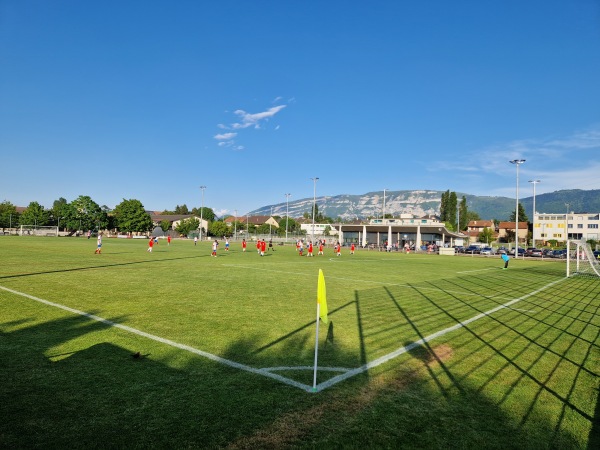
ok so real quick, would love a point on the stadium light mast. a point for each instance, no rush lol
(517, 162)
(202, 212)
(287, 207)
(534, 182)
(315, 179)
(235, 225)
(383, 210)
(567, 225)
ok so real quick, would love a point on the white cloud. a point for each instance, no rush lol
(248, 120)
(225, 136)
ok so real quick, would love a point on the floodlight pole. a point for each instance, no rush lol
(383, 210)
(567, 225)
(517, 162)
(202, 212)
(534, 182)
(235, 225)
(287, 214)
(315, 179)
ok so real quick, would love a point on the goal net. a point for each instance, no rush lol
(581, 259)
(32, 230)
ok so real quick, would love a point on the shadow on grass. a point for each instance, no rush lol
(99, 266)
(100, 396)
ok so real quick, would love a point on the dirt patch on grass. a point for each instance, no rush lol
(442, 353)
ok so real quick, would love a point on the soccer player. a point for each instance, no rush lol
(321, 247)
(214, 248)
(169, 240)
(226, 244)
(195, 240)
(150, 244)
(243, 245)
(338, 248)
(506, 259)
(99, 245)
(352, 249)
(263, 247)
(258, 246)
(300, 247)
(310, 248)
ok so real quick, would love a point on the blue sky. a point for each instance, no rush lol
(149, 100)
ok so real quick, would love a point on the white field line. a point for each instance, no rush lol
(381, 283)
(407, 348)
(267, 372)
(207, 355)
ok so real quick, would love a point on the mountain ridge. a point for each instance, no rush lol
(423, 202)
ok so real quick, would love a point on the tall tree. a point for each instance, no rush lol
(463, 214)
(35, 214)
(522, 215)
(487, 235)
(130, 216)
(59, 211)
(218, 228)
(183, 209)
(207, 213)
(187, 226)
(88, 213)
(8, 214)
(444, 206)
(451, 211)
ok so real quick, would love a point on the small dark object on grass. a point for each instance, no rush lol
(137, 355)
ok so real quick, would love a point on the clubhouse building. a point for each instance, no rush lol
(400, 231)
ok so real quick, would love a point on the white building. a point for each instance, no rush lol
(319, 229)
(548, 227)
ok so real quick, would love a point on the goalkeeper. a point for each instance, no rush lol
(506, 259)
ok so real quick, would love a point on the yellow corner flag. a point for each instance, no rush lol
(322, 298)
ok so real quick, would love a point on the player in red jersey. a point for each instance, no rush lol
(263, 247)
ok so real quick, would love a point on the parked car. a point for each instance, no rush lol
(597, 254)
(486, 251)
(559, 254)
(532, 251)
(521, 251)
(547, 252)
(502, 251)
(473, 249)
(459, 249)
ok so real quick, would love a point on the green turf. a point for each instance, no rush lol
(526, 376)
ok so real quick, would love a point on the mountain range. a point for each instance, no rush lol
(424, 202)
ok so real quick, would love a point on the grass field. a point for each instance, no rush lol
(422, 351)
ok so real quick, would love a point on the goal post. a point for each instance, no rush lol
(581, 259)
(32, 230)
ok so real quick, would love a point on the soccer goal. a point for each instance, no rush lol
(581, 259)
(32, 230)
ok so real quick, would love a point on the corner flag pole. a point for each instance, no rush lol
(322, 314)
(316, 350)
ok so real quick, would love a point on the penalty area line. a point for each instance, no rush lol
(215, 358)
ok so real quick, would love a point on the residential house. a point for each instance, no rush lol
(503, 227)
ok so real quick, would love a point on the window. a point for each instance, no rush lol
(593, 225)
(579, 225)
